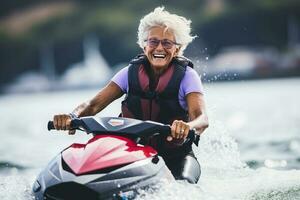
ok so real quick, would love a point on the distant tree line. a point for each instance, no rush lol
(231, 22)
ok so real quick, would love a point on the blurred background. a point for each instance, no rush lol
(55, 54)
(66, 44)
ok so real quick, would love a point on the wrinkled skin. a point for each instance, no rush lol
(160, 64)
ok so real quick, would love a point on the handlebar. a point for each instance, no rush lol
(103, 125)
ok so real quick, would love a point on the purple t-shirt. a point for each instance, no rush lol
(191, 82)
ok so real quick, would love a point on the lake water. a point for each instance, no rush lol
(251, 151)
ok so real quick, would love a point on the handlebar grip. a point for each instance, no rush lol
(75, 123)
(50, 125)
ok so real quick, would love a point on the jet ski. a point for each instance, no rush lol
(114, 164)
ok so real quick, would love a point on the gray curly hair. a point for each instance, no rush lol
(178, 25)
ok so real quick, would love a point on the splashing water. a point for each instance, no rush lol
(237, 134)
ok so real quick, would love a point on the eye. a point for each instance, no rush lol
(153, 42)
(167, 43)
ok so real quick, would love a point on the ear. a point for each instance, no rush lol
(177, 50)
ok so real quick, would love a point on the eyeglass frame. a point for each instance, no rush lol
(160, 42)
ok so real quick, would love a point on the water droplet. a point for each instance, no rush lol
(275, 163)
(206, 58)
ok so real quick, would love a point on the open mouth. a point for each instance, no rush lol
(161, 56)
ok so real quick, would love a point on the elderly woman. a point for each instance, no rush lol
(160, 85)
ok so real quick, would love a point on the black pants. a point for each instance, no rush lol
(180, 160)
(184, 166)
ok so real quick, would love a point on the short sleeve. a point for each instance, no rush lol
(121, 79)
(191, 82)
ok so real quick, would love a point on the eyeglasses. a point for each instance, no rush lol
(167, 44)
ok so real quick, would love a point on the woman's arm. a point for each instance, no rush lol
(197, 115)
(197, 112)
(191, 90)
(104, 97)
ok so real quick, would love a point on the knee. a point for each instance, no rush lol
(191, 170)
(187, 177)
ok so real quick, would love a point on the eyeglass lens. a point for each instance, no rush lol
(168, 44)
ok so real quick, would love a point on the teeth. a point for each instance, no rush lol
(159, 55)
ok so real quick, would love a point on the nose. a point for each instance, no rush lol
(160, 46)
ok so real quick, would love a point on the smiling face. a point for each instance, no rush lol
(159, 56)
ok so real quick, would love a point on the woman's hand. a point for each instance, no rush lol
(179, 130)
(63, 122)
